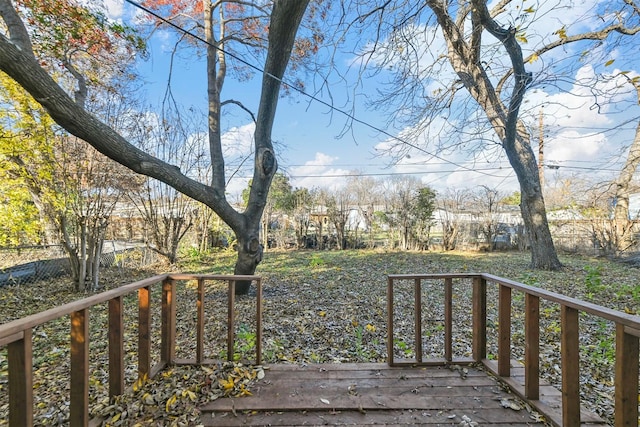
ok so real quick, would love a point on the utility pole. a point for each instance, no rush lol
(541, 149)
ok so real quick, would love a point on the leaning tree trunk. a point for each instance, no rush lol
(532, 207)
(285, 19)
(516, 142)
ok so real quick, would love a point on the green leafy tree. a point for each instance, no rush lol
(19, 221)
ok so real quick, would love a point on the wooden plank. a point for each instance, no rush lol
(79, 399)
(495, 418)
(116, 347)
(168, 325)
(532, 346)
(313, 373)
(366, 399)
(570, 356)
(448, 318)
(144, 332)
(479, 318)
(626, 378)
(11, 338)
(200, 323)
(20, 371)
(417, 311)
(504, 331)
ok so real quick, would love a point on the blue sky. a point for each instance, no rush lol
(311, 153)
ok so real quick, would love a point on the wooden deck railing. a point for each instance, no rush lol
(17, 337)
(627, 333)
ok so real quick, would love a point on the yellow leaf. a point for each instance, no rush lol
(322, 313)
(530, 10)
(170, 402)
(370, 327)
(533, 58)
(116, 417)
(192, 395)
(522, 39)
(562, 33)
(609, 62)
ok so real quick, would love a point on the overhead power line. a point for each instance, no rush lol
(301, 91)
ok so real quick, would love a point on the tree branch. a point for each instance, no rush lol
(24, 69)
(241, 105)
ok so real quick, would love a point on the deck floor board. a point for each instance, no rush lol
(370, 394)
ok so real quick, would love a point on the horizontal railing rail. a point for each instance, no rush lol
(627, 336)
(17, 336)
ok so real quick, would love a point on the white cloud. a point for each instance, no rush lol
(114, 9)
(238, 141)
(319, 173)
(572, 145)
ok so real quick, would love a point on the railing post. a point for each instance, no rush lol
(79, 401)
(200, 323)
(504, 331)
(144, 332)
(532, 347)
(479, 318)
(20, 361)
(570, 356)
(231, 298)
(448, 319)
(417, 311)
(116, 348)
(390, 321)
(168, 350)
(626, 378)
(259, 322)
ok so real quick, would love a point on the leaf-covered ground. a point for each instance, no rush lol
(319, 307)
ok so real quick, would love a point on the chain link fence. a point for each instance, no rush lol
(33, 263)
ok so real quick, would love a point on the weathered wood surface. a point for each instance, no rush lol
(367, 394)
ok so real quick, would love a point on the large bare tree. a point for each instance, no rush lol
(20, 62)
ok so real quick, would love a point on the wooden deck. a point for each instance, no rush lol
(372, 394)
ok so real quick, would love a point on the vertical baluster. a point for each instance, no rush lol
(417, 309)
(448, 319)
(116, 347)
(259, 322)
(144, 332)
(390, 321)
(79, 400)
(200, 323)
(626, 378)
(504, 331)
(168, 327)
(479, 318)
(532, 347)
(570, 353)
(231, 297)
(20, 361)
